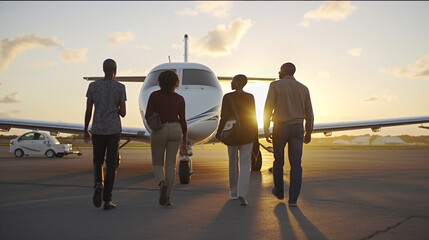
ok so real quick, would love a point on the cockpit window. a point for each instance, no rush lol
(152, 78)
(199, 77)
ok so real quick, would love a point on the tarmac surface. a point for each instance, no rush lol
(346, 194)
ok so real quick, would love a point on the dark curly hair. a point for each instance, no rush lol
(168, 80)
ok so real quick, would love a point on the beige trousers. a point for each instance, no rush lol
(165, 142)
(239, 177)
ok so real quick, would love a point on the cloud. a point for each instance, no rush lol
(305, 23)
(331, 10)
(10, 48)
(355, 52)
(142, 46)
(41, 65)
(324, 75)
(11, 98)
(9, 114)
(118, 38)
(418, 69)
(221, 40)
(371, 99)
(219, 9)
(74, 55)
(387, 96)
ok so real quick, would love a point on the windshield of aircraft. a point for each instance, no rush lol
(152, 78)
(199, 77)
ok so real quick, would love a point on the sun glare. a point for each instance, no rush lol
(259, 90)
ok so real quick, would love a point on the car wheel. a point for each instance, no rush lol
(19, 153)
(50, 153)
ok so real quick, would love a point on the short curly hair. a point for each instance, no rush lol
(168, 80)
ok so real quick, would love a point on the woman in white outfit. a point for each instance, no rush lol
(240, 152)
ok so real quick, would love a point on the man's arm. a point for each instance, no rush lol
(309, 119)
(122, 109)
(88, 114)
(122, 105)
(268, 112)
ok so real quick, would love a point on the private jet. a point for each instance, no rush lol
(203, 96)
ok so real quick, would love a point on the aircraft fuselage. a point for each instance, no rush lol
(202, 92)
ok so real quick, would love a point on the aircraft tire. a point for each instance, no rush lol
(19, 153)
(256, 158)
(257, 162)
(184, 170)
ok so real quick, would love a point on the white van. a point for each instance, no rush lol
(39, 143)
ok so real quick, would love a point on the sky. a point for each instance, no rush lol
(360, 60)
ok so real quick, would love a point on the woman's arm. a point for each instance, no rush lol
(149, 108)
(184, 125)
(223, 116)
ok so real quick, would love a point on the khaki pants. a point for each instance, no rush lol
(239, 176)
(165, 141)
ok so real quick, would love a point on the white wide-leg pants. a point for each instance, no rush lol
(239, 176)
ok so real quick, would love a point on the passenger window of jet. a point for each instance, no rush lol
(199, 77)
(152, 79)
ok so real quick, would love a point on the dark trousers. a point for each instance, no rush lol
(105, 146)
(291, 134)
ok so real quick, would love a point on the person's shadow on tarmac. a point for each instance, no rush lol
(287, 231)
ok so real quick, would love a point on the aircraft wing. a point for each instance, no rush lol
(120, 79)
(129, 133)
(374, 125)
(249, 79)
(142, 78)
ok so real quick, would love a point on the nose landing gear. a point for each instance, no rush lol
(185, 166)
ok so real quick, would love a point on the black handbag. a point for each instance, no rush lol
(230, 134)
(154, 121)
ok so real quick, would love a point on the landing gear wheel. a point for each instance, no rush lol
(184, 172)
(19, 153)
(50, 153)
(256, 158)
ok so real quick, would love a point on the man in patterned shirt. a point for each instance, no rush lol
(108, 96)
